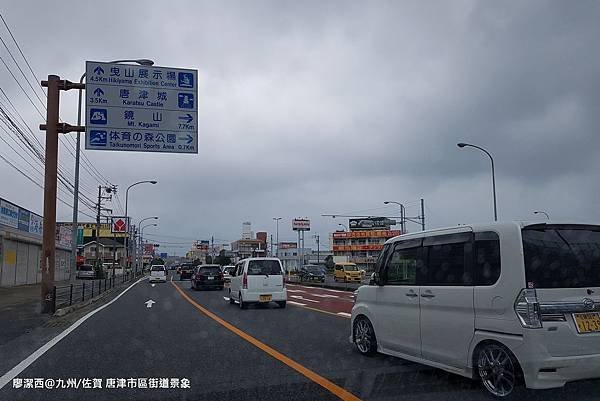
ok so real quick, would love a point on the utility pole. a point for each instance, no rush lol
(422, 215)
(271, 245)
(52, 128)
(98, 207)
(318, 249)
(212, 249)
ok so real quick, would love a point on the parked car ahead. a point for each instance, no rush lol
(86, 271)
(258, 280)
(158, 273)
(346, 272)
(207, 276)
(227, 272)
(503, 303)
(186, 270)
(312, 273)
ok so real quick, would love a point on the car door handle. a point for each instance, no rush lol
(428, 295)
(411, 294)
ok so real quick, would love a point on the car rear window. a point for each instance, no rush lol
(86, 268)
(209, 270)
(561, 256)
(158, 269)
(264, 267)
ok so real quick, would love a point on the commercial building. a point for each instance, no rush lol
(363, 246)
(246, 248)
(21, 248)
(292, 258)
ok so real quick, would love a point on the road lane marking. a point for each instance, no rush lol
(304, 299)
(326, 296)
(149, 303)
(303, 306)
(295, 303)
(288, 290)
(320, 380)
(321, 288)
(344, 314)
(11, 374)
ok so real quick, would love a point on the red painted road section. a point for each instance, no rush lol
(324, 299)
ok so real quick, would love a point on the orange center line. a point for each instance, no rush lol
(338, 391)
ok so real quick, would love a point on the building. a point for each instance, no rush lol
(292, 258)
(21, 248)
(362, 246)
(110, 251)
(246, 248)
(247, 230)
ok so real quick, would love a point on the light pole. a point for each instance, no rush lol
(141, 238)
(139, 225)
(277, 233)
(77, 155)
(402, 215)
(153, 182)
(345, 228)
(462, 145)
(542, 212)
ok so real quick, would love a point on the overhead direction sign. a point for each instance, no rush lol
(141, 108)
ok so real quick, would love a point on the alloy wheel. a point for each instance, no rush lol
(497, 370)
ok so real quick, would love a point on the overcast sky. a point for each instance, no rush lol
(308, 108)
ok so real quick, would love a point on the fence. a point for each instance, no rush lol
(74, 293)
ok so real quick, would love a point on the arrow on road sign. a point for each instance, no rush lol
(188, 118)
(98, 92)
(189, 139)
(149, 303)
(98, 70)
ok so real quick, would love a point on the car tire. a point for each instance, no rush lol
(499, 371)
(281, 304)
(363, 336)
(243, 305)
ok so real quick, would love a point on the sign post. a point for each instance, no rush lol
(141, 108)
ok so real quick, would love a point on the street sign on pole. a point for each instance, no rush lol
(141, 108)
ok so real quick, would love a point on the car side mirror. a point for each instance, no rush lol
(375, 279)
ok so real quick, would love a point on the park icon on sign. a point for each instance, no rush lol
(119, 225)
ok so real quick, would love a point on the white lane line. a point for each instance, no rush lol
(344, 314)
(11, 374)
(304, 299)
(296, 303)
(325, 296)
(321, 288)
(289, 290)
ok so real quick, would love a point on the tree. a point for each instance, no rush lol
(157, 261)
(197, 262)
(329, 264)
(222, 259)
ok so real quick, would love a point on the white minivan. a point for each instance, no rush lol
(158, 273)
(257, 280)
(505, 303)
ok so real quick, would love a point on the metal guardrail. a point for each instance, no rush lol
(74, 293)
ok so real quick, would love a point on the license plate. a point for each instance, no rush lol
(211, 278)
(264, 298)
(587, 322)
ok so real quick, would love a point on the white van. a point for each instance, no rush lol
(158, 273)
(257, 280)
(506, 303)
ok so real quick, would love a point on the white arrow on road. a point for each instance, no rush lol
(149, 303)
(153, 285)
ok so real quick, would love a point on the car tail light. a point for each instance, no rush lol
(527, 309)
(245, 281)
(221, 276)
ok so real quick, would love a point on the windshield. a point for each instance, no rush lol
(558, 257)
(264, 267)
(350, 268)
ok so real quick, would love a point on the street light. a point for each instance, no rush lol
(277, 233)
(542, 212)
(141, 238)
(462, 145)
(345, 228)
(139, 225)
(141, 61)
(153, 182)
(402, 214)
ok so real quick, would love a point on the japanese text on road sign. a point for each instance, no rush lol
(141, 108)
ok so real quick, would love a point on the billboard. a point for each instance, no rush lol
(351, 248)
(301, 225)
(366, 234)
(371, 223)
(287, 245)
(20, 219)
(119, 225)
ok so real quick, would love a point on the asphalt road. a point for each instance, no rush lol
(297, 353)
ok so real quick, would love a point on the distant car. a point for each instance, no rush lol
(158, 273)
(186, 270)
(347, 272)
(86, 271)
(207, 276)
(312, 273)
(227, 271)
(258, 280)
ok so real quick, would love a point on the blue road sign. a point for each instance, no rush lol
(98, 138)
(185, 100)
(98, 116)
(185, 80)
(141, 108)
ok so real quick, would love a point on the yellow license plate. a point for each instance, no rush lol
(264, 298)
(587, 322)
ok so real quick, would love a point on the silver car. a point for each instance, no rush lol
(86, 271)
